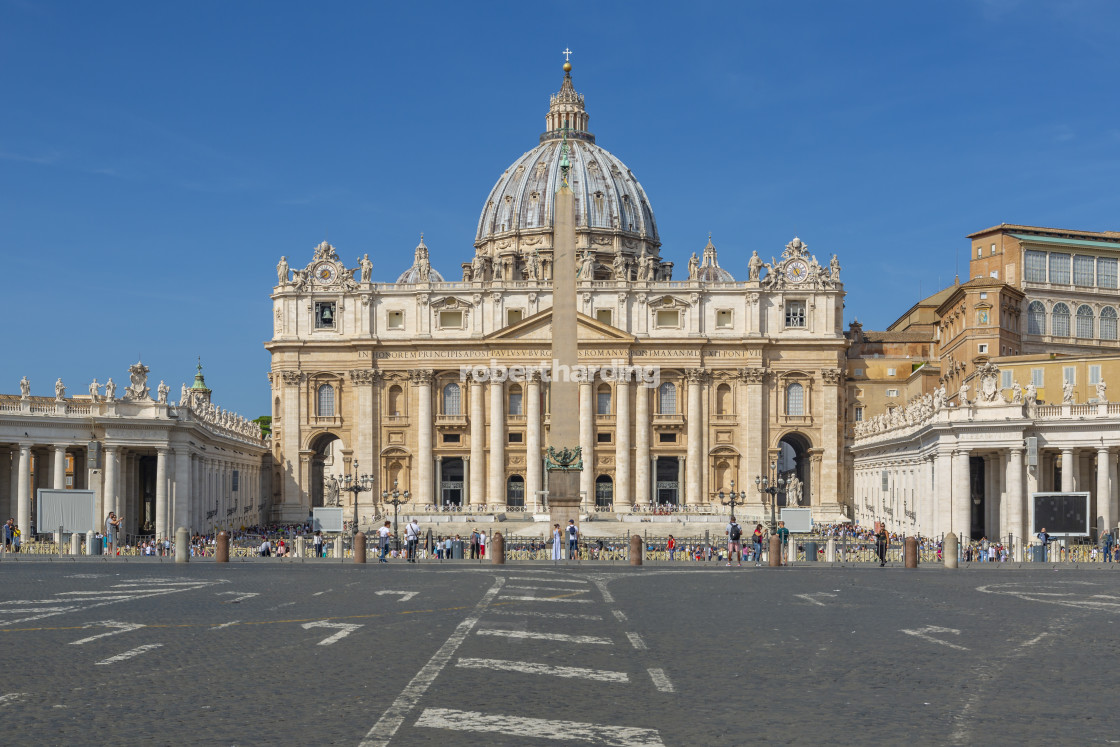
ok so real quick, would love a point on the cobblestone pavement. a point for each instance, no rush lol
(321, 652)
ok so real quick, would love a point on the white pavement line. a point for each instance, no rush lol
(550, 579)
(550, 615)
(518, 726)
(568, 589)
(603, 590)
(405, 595)
(100, 601)
(321, 592)
(128, 654)
(9, 698)
(118, 627)
(239, 594)
(147, 585)
(390, 721)
(344, 629)
(924, 633)
(532, 667)
(545, 599)
(619, 615)
(1035, 640)
(661, 680)
(811, 597)
(225, 625)
(546, 636)
(36, 609)
(636, 641)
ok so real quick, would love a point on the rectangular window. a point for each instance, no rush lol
(795, 313)
(892, 392)
(1094, 374)
(603, 403)
(666, 438)
(993, 250)
(1059, 269)
(859, 414)
(1069, 375)
(604, 315)
(668, 318)
(1084, 271)
(1038, 376)
(723, 318)
(1005, 379)
(891, 371)
(858, 372)
(451, 438)
(516, 438)
(515, 403)
(324, 315)
(451, 320)
(982, 348)
(602, 438)
(1036, 267)
(979, 252)
(983, 296)
(513, 316)
(395, 320)
(1106, 272)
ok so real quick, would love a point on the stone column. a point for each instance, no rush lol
(642, 477)
(7, 473)
(586, 443)
(1113, 490)
(111, 487)
(753, 426)
(622, 444)
(183, 501)
(59, 481)
(1104, 489)
(1069, 470)
(943, 510)
(1015, 496)
(694, 462)
(291, 503)
(962, 499)
(827, 486)
(496, 492)
(422, 378)
(161, 493)
(478, 445)
(466, 481)
(23, 491)
(533, 465)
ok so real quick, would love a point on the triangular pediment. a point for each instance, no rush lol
(538, 327)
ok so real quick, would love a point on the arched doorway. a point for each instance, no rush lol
(604, 491)
(794, 460)
(451, 481)
(327, 470)
(668, 479)
(515, 491)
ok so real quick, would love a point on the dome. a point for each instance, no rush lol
(709, 270)
(421, 270)
(613, 213)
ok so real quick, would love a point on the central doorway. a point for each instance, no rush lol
(668, 480)
(451, 485)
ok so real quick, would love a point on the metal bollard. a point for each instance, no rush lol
(75, 544)
(338, 551)
(830, 550)
(775, 551)
(221, 549)
(360, 547)
(93, 545)
(911, 550)
(949, 550)
(636, 549)
(182, 545)
(497, 549)
(299, 547)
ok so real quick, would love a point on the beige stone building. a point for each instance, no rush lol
(707, 381)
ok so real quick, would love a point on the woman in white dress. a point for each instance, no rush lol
(556, 542)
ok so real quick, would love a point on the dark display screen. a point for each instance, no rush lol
(1061, 513)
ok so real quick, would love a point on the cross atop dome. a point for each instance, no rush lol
(566, 110)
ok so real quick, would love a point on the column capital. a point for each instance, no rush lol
(754, 375)
(421, 376)
(697, 375)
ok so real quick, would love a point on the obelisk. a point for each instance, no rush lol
(564, 459)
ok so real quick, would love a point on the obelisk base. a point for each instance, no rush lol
(563, 496)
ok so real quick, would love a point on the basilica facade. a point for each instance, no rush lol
(703, 383)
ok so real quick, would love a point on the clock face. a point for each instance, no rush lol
(324, 273)
(797, 271)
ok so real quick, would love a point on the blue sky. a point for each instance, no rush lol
(156, 159)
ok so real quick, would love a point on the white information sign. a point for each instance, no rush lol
(798, 520)
(70, 509)
(326, 519)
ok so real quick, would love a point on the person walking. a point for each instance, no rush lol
(9, 528)
(482, 544)
(556, 536)
(383, 537)
(1106, 545)
(412, 538)
(734, 534)
(112, 526)
(783, 535)
(671, 546)
(573, 540)
(756, 545)
(1044, 537)
(474, 544)
(318, 543)
(881, 540)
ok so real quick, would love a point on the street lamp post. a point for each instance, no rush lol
(355, 484)
(734, 499)
(396, 499)
(771, 485)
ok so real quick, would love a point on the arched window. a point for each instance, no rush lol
(667, 399)
(604, 491)
(326, 401)
(1036, 318)
(723, 399)
(1084, 321)
(515, 491)
(1108, 323)
(1059, 320)
(452, 400)
(396, 400)
(795, 400)
(603, 400)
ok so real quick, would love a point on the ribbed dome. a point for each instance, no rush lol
(421, 270)
(709, 270)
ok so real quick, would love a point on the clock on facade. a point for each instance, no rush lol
(797, 271)
(325, 273)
